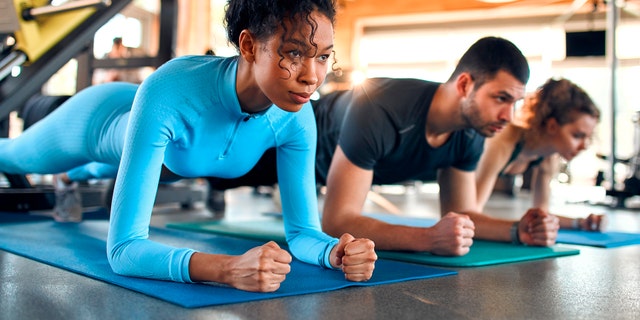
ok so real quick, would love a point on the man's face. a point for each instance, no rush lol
(489, 108)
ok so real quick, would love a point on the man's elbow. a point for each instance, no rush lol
(332, 226)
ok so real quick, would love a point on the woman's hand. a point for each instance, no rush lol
(261, 269)
(356, 257)
(538, 227)
(594, 222)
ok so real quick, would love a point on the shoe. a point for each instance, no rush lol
(68, 207)
(216, 202)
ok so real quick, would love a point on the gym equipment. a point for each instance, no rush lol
(8, 24)
(45, 42)
(632, 182)
(43, 25)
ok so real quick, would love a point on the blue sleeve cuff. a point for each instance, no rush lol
(327, 255)
(186, 277)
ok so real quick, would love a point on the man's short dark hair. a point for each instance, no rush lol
(489, 55)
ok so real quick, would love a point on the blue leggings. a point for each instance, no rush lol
(83, 137)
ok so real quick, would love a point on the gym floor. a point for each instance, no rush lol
(596, 284)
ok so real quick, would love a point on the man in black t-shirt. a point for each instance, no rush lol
(380, 126)
(392, 130)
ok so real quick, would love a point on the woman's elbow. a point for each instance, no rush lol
(118, 264)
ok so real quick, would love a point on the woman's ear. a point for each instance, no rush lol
(247, 45)
(551, 125)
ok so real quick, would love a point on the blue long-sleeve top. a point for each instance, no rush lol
(187, 116)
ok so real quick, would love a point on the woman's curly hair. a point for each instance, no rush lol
(561, 100)
(263, 18)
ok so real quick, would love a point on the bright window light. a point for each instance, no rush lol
(357, 77)
(129, 29)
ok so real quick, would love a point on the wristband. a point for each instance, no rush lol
(515, 234)
(575, 224)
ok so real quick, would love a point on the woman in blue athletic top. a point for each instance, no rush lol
(557, 120)
(206, 116)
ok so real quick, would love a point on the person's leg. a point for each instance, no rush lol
(93, 170)
(68, 204)
(45, 148)
(68, 137)
(87, 127)
(48, 147)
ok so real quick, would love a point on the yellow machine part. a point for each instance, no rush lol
(37, 36)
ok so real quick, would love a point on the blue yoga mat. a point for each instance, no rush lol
(482, 253)
(609, 239)
(81, 248)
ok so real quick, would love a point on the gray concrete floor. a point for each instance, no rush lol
(596, 284)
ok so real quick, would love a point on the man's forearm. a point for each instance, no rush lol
(489, 228)
(385, 236)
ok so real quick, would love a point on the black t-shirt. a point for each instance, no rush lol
(380, 125)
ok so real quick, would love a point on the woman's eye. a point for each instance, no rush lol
(323, 58)
(295, 53)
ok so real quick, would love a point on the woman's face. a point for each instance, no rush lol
(571, 138)
(288, 79)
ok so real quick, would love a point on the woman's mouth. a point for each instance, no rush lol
(300, 98)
